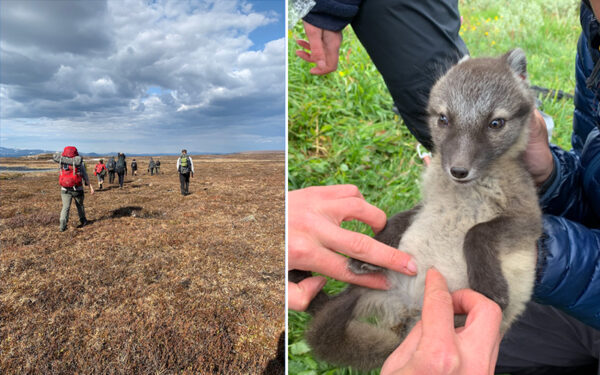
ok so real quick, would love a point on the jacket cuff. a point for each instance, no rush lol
(332, 15)
(561, 189)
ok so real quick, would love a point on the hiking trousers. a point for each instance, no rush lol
(545, 340)
(111, 177)
(121, 178)
(184, 180)
(67, 196)
(412, 43)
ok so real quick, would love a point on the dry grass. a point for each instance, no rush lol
(157, 284)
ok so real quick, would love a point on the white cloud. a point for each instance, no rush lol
(198, 53)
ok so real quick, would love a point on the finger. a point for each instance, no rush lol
(303, 43)
(494, 355)
(484, 316)
(367, 249)
(335, 191)
(315, 35)
(321, 68)
(304, 56)
(482, 327)
(346, 209)
(400, 357)
(437, 314)
(336, 266)
(300, 294)
(331, 42)
(304, 253)
(538, 130)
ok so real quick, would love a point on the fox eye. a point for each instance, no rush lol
(443, 121)
(497, 123)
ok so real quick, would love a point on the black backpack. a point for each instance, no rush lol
(134, 164)
(121, 164)
(111, 165)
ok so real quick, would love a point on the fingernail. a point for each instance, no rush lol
(322, 283)
(411, 266)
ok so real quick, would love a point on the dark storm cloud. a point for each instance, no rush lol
(55, 26)
(90, 66)
(20, 69)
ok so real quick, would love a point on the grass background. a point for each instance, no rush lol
(342, 129)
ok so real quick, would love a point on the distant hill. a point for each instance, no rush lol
(15, 153)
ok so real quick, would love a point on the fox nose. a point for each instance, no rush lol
(459, 172)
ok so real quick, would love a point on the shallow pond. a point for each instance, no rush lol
(25, 169)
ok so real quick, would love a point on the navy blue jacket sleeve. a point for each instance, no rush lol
(569, 251)
(569, 269)
(332, 15)
(573, 191)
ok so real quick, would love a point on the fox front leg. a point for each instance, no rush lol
(482, 249)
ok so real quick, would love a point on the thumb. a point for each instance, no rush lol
(538, 131)
(403, 353)
(538, 158)
(300, 294)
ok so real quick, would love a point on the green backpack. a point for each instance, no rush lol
(184, 164)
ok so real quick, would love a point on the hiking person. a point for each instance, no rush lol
(121, 169)
(110, 166)
(151, 166)
(100, 171)
(71, 178)
(134, 167)
(185, 167)
(157, 166)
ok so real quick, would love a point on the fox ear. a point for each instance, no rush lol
(517, 61)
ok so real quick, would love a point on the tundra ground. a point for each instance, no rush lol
(158, 282)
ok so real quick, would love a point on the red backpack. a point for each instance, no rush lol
(70, 152)
(70, 175)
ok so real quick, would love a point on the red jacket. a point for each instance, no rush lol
(98, 168)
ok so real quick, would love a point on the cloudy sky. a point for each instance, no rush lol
(142, 76)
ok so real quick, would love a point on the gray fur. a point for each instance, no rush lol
(479, 230)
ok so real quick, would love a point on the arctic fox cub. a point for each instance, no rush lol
(477, 224)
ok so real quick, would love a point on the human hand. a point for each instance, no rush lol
(91, 189)
(315, 240)
(434, 346)
(324, 47)
(538, 158)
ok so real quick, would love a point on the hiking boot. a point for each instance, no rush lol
(83, 223)
(62, 229)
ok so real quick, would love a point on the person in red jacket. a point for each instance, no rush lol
(100, 171)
